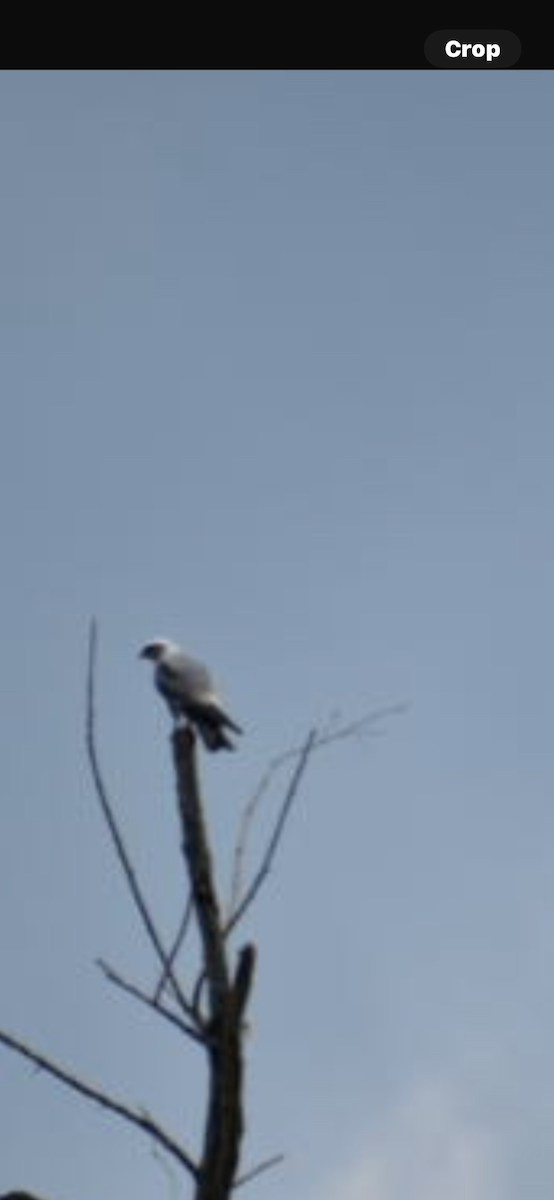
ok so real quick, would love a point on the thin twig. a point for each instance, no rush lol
(241, 846)
(362, 726)
(136, 1117)
(138, 994)
(263, 1166)
(176, 947)
(168, 1171)
(115, 832)
(267, 861)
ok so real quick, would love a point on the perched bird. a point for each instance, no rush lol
(187, 687)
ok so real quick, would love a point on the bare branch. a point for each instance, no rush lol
(364, 726)
(138, 994)
(244, 976)
(198, 990)
(241, 846)
(224, 1120)
(176, 947)
(276, 836)
(136, 1117)
(115, 832)
(266, 1165)
(168, 1171)
(198, 859)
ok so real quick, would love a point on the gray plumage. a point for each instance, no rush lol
(189, 691)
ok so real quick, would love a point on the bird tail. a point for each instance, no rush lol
(214, 736)
(230, 724)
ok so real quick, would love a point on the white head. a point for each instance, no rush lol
(158, 649)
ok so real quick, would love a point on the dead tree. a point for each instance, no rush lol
(211, 1012)
(227, 992)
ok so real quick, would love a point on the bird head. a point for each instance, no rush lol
(155, 650)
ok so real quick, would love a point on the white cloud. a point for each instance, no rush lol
(427, 1148)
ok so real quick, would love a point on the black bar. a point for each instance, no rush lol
(400, 45)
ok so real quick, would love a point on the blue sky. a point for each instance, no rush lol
(276, 364)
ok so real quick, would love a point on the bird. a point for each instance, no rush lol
(189, 691)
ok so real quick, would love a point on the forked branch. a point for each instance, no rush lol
(318, 739)
(267, 861)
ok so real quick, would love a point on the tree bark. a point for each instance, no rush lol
(227, 996)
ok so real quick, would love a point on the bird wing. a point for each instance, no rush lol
(188, 688)
(183, 679)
